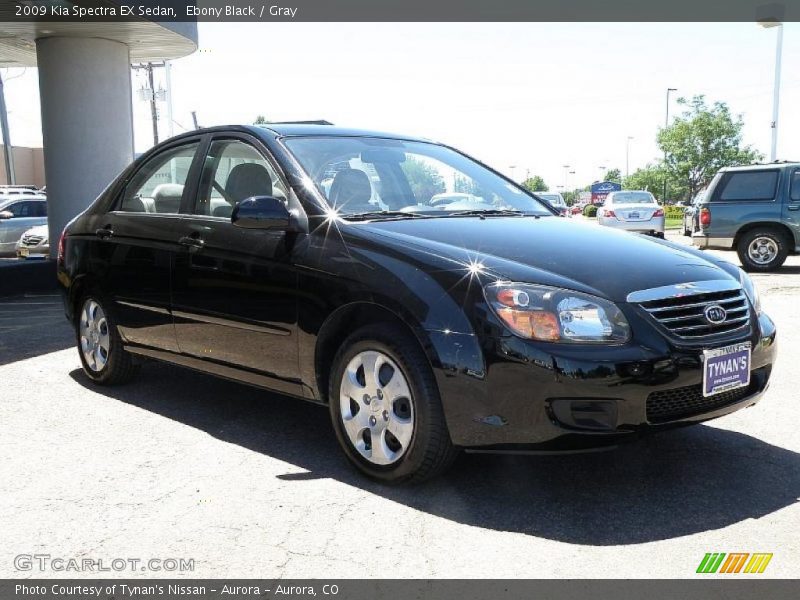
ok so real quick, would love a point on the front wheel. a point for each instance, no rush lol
(762, 250)
(103, 358)
(385, 407)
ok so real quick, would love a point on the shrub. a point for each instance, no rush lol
(590, 210)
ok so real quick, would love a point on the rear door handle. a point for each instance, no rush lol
(105, 232)
(191, 241)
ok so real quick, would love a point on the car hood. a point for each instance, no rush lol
(551, 251)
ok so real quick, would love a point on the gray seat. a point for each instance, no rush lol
(167, 197)
(351, 191)
(246, 180)
(223, 211)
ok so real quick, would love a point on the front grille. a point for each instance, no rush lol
(31, 240)
(684, 316)
(688, 401)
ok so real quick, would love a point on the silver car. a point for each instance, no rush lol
(17, 215)
(34, 243)
(632, 210)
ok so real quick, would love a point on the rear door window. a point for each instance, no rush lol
(749, 185)
(158, 185)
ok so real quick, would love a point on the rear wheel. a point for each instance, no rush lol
(100, 348)
(385, 407)
(762, 249)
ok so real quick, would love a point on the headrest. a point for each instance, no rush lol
(350, 188)
(246, 180)
(167, 197)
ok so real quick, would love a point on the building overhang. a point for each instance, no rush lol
(147, 40)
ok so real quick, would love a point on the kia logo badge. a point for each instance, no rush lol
(715, 314)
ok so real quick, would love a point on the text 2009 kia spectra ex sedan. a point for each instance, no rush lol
(429, 302)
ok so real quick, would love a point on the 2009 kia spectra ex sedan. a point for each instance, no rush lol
(429, 302)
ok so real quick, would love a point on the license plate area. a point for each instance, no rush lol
(726, 369)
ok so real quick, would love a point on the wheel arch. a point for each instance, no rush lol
(344, 321)
(776, 225)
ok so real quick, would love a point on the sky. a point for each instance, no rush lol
(534, 96)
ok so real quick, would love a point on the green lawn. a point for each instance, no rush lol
(675, 223)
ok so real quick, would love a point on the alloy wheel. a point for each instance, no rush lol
(94, 335)
(762, 250)
(377, 407)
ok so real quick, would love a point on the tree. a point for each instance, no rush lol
(535, 184)
(614, 175)
(702, 141)
(424, 179)
(649, 178)
(261, 120)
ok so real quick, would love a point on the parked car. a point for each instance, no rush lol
(34, 243)
(753, 210)
(423, 330)
(691, 214)
(632, 210)
(17, 215)
(556, 200)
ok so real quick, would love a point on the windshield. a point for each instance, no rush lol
(633, 198)
(360, 175)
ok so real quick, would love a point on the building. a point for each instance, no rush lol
(85, 91)
(28, 166)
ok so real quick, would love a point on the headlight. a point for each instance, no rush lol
(551, 314)
(750, 290)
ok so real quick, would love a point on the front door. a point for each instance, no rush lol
(234, 290)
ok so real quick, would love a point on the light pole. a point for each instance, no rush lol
(777, 90)
(566, 174)
(627, 156)
(602, 173)
(512, 167)
(666, 124)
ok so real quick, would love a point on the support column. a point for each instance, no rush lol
(87, 122)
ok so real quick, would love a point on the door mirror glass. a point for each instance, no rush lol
(261, 212)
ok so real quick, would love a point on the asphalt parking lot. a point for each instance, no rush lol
(181, 465)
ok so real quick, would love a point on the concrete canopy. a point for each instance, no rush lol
(84, 74)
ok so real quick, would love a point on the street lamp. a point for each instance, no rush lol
(666, 124)
(627, 156)
(767, 24)
(512, 167)
(566, 172)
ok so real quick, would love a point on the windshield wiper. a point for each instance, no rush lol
(494, 212)
(377, 214)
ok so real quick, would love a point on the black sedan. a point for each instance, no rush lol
(314, 261)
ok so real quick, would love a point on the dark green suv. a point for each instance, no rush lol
(754, 210)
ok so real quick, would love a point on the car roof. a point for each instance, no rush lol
(761, 166)
(281, 130)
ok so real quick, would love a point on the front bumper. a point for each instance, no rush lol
(37, 251)
(526, 396)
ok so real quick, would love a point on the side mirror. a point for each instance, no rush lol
(261, 212)
(6, 214)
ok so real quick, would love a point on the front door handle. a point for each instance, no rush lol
(192, 241)
(104, 232)
(794, 207)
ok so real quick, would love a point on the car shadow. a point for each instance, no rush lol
(673, 484)
(32, 325)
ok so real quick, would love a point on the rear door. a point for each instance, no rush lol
(136, 244)
(234, 290)
(791, 208)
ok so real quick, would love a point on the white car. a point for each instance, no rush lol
(34, 243)
(632, 210)
(556, 200)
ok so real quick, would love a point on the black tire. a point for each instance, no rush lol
(770, 235)
(686, 230)
(430, 451)
(120, 365)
